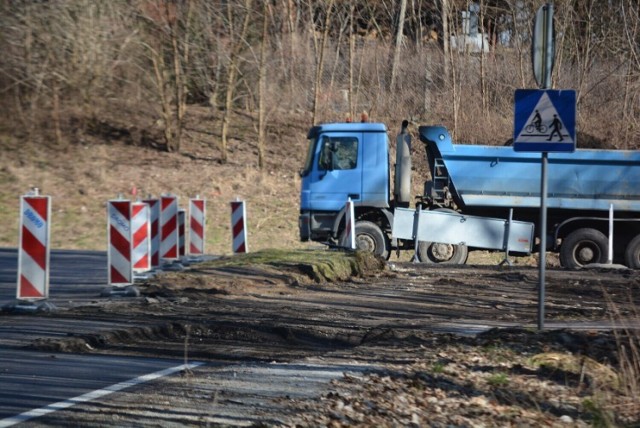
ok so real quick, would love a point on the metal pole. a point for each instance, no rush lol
(548, 60)
(543, 240)
(416, 228)
(610, 255)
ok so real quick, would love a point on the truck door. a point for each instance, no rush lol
(337, 172)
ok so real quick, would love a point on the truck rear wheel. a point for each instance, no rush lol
(632, 253)
(369, 237)
(582, 247)
(437, 253)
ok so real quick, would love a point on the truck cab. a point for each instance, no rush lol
(346, 161)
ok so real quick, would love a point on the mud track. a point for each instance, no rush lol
(262, 314)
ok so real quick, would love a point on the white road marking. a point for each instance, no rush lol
(89, 396)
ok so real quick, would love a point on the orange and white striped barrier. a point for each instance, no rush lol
(154, 222)
(33, 254)
(197, 218)
(238, 227)
(119, 236)
(182, 219)
(141, 237)
(169, 227)
(350, 228)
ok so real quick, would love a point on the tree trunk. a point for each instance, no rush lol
(320, 63)
(262, 86)
(398, 45)
(165, 104)
(352, 41)
(445, 36)
(180, 82)
(232, 70)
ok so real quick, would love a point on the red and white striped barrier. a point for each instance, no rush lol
(238, 227)
(350, 228)
(154, 220)
(197, 216)
(141, 237)
(182, 219)
(169, 227)
(119, 236)
(33, 255)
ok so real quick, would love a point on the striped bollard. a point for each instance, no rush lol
(169, 227)
(182, 216)
(238, 226)
(350, 230)
(197, 216)
(141, 237)
(119, 237)
(154, 219)
(33, 254)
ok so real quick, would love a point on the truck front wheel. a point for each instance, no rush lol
(369, 237)
(632, 253)
(436, 253)
(583, 247)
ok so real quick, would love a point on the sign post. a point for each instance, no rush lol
(544, 122)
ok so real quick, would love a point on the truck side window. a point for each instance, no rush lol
(338, 153)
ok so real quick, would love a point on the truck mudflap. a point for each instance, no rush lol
(456, 229)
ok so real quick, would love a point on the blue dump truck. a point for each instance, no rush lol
(478, 197)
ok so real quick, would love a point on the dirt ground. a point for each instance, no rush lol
(408, 345)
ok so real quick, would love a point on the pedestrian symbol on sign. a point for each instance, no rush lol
(556, 126)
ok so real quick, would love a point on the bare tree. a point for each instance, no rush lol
(398, 44)
(444, 13)
(352, 42)
(262, 83)
(167, 43)
(320, 61)
(237, 40)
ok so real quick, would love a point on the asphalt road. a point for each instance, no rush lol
(75, 276)
(34, 383)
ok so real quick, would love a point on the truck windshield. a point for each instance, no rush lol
(308, 162)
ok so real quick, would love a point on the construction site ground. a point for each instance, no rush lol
(344, 339)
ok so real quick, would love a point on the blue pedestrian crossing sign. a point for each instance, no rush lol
(544, 120)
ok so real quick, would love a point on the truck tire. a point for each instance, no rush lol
(582, 247)
(632, 253)
(369, 237)
(446, 254)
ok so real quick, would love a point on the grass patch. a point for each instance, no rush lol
(498, 380)
(317, 265)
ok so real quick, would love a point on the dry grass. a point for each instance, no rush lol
(84, 176)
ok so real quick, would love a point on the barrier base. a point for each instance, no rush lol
(143, 276)
(185, 261)
(173, 266)
(29, 307)
(120, 291)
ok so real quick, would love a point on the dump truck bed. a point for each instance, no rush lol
(497, 176)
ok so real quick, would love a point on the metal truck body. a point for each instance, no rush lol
(472, 182)
(583, 186)
(494, 176)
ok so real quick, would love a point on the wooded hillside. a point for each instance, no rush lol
(135, 68)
